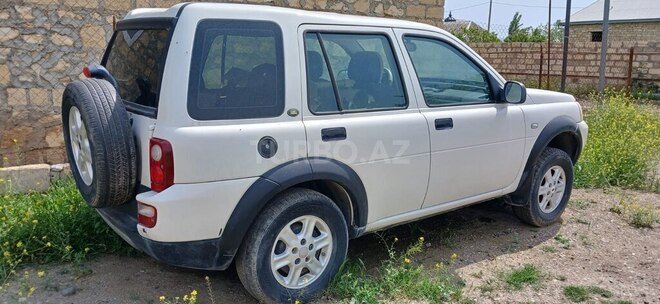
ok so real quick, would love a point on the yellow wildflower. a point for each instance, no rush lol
(5, 244)
(44, 237)
(439, 265)
(454, 256)
(48, 244)
(6, 254)
(86, 249)
(41, 274)
(31, 291)
(162, 298)
(406, 260)
(68, 248)
(421, 238)
(15, 140)
(194, 292)
(185, 298)
(19, 244)
(35, 222)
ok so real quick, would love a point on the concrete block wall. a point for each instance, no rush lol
(619, 32)
(521, 61)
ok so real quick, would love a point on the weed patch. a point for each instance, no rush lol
(49, 227)
(579, 204)
(636, 214)
(623, 144)
(549, 249)
(563, 241)
(399, 277)
(527, 275)
(583, 293)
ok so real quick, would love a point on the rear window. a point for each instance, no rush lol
(236, 71)
(134, 60)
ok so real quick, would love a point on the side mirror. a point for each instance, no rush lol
(514, 92)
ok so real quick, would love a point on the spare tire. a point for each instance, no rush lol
(99, 142)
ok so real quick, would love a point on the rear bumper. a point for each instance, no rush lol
(204, 254)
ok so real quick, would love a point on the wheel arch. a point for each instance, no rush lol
(330, 177)
(561, 133)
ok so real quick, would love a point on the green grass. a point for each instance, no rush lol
(398, 278)
(56, 226)
(623, 145)
(526, 275)
(583, 293)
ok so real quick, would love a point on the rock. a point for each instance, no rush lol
(7, 33)
(68, 291)
(62, 40)
(25, 178)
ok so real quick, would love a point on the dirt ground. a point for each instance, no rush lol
(591, 247)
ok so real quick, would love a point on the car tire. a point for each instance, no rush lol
(276, 251)
(99, 142)
(550, 191)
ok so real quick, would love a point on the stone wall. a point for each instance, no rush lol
(521, 61)
(618, 32)
(44, 44)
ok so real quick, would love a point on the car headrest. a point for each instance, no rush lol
(365, 67)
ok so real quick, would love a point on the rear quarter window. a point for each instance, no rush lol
(237, 71)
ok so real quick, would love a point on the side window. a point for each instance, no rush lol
(352, 72)
(237, 71)
(446, 75)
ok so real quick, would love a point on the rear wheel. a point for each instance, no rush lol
(99, 142)
(294, 248)
(551, 189)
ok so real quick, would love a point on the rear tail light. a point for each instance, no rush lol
(161, 164)
(147, 215)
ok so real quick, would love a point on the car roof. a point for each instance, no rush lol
(274, 13)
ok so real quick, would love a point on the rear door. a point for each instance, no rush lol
(357, 111)
(135, 57)
(477, 143)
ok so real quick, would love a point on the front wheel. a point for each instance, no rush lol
(294, 248)
(551, 188)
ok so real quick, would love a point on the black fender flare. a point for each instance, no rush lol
(557, 126)
(283, 177)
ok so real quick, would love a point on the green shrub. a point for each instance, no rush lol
(53, 226)
(623, 146)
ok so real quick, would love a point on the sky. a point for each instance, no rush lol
(534, 12)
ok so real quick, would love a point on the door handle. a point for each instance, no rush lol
(333, 134)
(444, 123)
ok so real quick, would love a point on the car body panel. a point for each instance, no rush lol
(406, 169)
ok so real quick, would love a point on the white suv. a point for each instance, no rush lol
(271, 136)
